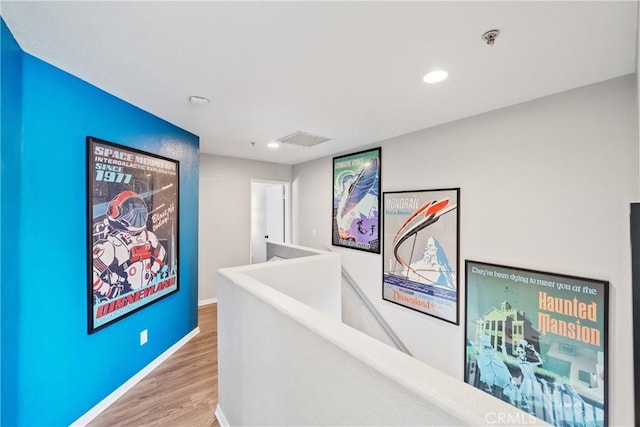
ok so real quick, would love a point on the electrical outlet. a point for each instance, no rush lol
(313, 233)
(143, 337)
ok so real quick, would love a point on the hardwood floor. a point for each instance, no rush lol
(183, 391)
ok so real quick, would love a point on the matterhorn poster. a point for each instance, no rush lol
(420, 252)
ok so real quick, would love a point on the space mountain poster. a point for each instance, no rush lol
(420, 252)
(356, 201)
(538, 341)
(133, 230)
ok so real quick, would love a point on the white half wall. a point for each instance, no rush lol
(284, 363)
(312, 278)
(225, 217)
(544, 185)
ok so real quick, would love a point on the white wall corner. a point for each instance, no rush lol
(222, 420)
(207, 301)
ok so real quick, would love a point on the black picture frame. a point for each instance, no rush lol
(355, 216)
(539, 341)
(132, 230)
(421, 251)
(634, 218)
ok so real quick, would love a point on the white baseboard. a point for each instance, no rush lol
(128, 385)
(207, 301)
(222, 420)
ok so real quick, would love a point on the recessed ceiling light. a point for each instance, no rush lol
(273, 144)
(198, 100)
(435, 76)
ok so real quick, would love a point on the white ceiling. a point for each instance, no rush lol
(351, 71)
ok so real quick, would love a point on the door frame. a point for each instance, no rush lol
(287, 210)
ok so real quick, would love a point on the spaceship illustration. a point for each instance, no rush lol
(359, 188)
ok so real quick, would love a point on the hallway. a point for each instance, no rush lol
(183, 391)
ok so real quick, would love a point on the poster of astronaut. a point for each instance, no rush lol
(538, 341)
(420, 253)
(133, 230)
(356, 201)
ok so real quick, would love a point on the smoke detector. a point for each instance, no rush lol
(490, 36)
(303, 139)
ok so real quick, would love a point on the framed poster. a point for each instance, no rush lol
(538, 341)
(356, 201)
(420, 256)
(133, 230)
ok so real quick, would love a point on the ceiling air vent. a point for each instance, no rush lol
(303, 139)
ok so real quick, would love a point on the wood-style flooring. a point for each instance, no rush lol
(182, 391)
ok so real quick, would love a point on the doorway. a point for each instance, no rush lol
(268, 216)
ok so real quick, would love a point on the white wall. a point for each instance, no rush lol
(544, 185)
(225, 220)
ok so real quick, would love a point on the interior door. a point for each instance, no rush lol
(275, 212)
(267, 217)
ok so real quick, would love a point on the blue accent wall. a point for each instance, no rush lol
(57, 372)
(10, 148)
